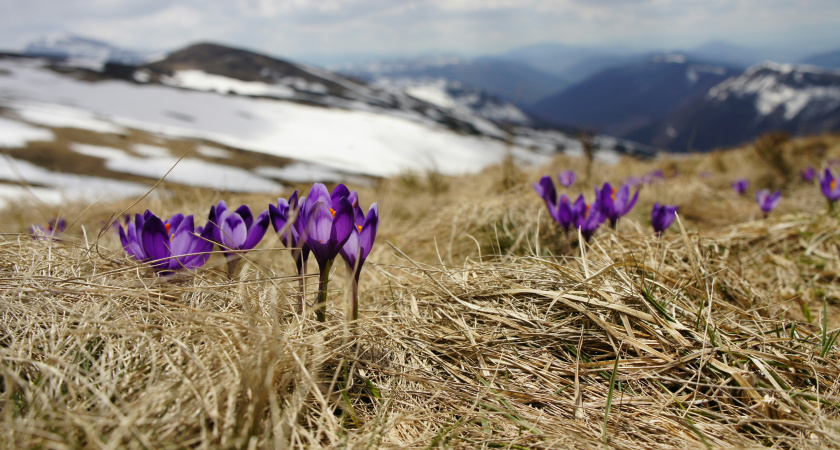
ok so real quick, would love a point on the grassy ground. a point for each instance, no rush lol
(480, 325)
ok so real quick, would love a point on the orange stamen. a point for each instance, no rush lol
(332, 211)
(359, 227)
(613, 194)
(167, 227)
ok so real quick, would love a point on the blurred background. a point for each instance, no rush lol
(104, 97)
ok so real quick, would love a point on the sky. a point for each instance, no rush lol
(312, 29)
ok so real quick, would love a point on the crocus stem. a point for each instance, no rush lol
(233, 265)
(321, 302)
(355, 305)
(301, 267)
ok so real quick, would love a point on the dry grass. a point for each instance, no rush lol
(480, 327)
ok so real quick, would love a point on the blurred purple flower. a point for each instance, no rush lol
(662, 217)
(168, 246)
(588, 218)
(830, 188)
(545, 189)
(808, 174)
(563, 213)
(53, 229)
(567, 178)
(767, 201)
(635, 181)
(741, 186)
(613, 204)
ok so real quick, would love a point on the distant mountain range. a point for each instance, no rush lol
(830, 60)
(619, 100)
(517, 83)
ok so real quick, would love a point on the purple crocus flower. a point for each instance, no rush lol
(329, 222)
(236, 230)
(563, 213)
(741, 186)
(545, 189)
(613, 203)
(357, 248)
(767, 201)
(51, 231)
(567, 178)
(808, 174)
(662, 217)
(830, 188)
(588, 218)
(168, 245)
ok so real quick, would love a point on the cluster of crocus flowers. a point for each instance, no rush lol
(609, 204)
(50, 232)
(326, 224)
(767, 201)
(662, 216)
(167, 245)
(741, 186)
(830, 188)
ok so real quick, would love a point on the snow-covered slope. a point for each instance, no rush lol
(786, 89)
(359, 141)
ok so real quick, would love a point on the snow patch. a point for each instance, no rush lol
(58, 116)
(203, 81)
(17, 134)
(302, 173)
(71, 186)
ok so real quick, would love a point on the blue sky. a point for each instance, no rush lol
(301, 28)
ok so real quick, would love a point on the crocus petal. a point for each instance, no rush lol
(339, 191)
(256, 231)
(545, 189)
(343, 225)
(245, 213)
(318, 193)
(368, 234)
(233, 231)
(351, 250)
(631, 204)
(318, 230)
(156, 241)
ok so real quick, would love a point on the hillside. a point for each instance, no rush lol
(480, 326)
